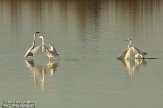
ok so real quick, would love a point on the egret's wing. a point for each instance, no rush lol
(42, 49)
(45, 50)
(54, 51)
(28, 53)
(37, 50)
(137, 51)
(123, 54)
(131, 53)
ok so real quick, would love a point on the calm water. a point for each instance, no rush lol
(88, 35)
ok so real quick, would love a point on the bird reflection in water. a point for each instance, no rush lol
(40, 71)
(132, 65)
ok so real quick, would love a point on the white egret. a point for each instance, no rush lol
(28, 52)
(50, 53)
(131, 52)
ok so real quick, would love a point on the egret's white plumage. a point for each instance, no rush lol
(28, 52)
(52, 49)
(50, 53)
(41, 49)
(131, 52)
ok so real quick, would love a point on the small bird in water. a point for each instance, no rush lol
(131, 52)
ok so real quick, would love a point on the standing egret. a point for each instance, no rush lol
(28, 53)
(50, 53)
(131, 52)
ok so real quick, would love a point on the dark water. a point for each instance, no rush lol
(88, 35)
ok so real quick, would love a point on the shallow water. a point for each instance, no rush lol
(88, 35)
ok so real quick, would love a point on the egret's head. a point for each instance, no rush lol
(50, 45)
(128, 39)
(41, 37)
(35, 34)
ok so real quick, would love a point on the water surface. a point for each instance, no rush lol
(88, 35)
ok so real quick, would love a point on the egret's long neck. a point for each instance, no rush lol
(33, 45)
(43, 41)
(34, 37)
(129, 44)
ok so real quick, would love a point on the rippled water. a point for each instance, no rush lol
(88, 35)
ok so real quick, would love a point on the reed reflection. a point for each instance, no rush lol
(40, 71)
(88, 13)
(127, 15)
(132, 66)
